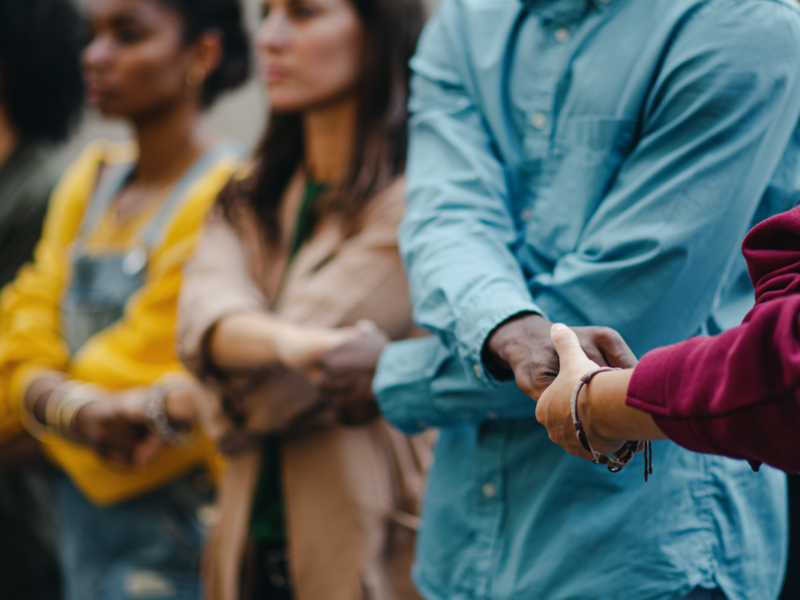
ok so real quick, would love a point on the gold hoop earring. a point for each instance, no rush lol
(195, 77)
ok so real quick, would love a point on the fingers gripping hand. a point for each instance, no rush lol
(553, 410)
(605, 347)
(115, 426)
(346, 372)
(300, 346)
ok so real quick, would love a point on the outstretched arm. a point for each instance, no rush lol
(607, 420)
(736, 394)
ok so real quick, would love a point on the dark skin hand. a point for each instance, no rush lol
(346, 373)
(521, 346)
(116, 428)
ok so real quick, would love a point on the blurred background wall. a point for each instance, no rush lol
(240, 115)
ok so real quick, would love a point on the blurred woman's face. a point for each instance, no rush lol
(310, 52)
(135, 63)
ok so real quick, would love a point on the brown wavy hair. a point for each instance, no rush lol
(391, 28)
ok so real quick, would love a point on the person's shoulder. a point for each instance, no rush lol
(385, 208)
(75, 187)
(391, 197)
(203, 195)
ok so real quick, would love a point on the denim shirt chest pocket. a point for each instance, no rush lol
(585, 156)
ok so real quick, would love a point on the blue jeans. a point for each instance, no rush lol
(147, 547)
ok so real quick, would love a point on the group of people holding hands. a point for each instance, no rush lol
(348, 365)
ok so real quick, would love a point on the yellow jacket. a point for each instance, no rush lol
(136, 351)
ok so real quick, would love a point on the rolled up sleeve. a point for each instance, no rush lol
(216, 283)
(420, 384)
(457, 231)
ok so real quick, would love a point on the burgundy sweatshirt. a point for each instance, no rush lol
(738, 394)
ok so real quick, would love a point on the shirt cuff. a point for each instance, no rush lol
(402, 383)
(479, 324)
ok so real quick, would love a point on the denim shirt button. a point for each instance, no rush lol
(489, 490)
(562, 35)
(539, 121)
(476, 368)
(526, 214)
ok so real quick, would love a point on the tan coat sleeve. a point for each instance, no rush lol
(332, 282)
(216, 283)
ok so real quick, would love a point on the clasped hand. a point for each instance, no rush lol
(548, 368)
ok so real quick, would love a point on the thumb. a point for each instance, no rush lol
(567, 345)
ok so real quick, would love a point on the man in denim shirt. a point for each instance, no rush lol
(594, 162)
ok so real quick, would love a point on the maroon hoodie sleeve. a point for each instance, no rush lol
(738, 393)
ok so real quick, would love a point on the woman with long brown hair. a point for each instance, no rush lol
(295, 288)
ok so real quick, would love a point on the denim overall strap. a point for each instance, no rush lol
(101, 286)
(112, 180)
(152, 234)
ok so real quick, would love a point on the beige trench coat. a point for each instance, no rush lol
(351, 494)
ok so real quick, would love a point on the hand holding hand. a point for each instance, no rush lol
(523, 346)
(346, 373)
(554, 410)
(301, 346)
(115, 426)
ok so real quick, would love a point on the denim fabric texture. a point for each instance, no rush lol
(598, 162)
(147, 547)
(706, 594)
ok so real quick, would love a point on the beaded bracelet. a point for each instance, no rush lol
(56, 401)
(70, 406)
(622, 457)
(42, 430)
(156, 412)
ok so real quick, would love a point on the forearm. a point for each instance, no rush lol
(246, 341)
(39, 391)
(254, 340)
(603, 409)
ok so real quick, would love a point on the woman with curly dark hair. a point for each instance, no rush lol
(87, 356)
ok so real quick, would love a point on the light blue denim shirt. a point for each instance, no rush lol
(599, 163)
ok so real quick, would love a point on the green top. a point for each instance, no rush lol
(268, 518)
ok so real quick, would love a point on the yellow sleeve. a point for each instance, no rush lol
(30, 338)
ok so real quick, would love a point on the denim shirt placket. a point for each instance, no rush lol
(491, 501)
(531, 99)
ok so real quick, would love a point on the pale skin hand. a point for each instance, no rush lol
(607, 420)
(252, 340)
